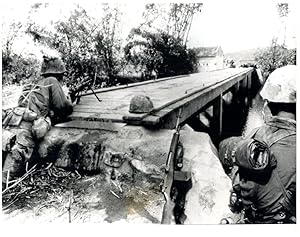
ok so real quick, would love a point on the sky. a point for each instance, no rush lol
(239, 25)
(234, 25)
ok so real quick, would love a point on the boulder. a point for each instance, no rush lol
(126, 167)
(207, 200)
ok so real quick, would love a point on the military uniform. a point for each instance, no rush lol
(269, 196)
(47, 99)
(29, 122)
(263, 164)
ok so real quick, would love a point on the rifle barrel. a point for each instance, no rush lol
(169, 175)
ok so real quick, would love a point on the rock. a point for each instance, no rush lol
(129, 165)
(145, 168)
(207, 200)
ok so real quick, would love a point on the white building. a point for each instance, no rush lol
(210, 58)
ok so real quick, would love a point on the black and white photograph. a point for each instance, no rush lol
(157, 113)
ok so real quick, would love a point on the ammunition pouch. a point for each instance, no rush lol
(15, 116)
(24, 118)
(40, 127)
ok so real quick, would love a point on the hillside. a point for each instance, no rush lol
(243, 56)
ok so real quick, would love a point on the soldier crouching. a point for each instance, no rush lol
(42, 102)
(262, 165)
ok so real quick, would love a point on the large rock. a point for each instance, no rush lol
(129, 162)
(207, 200)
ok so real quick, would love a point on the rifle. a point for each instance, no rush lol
(166, 188)
(75, 93)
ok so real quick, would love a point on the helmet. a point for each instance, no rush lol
(280, 86)
(140, 104)
(52, 66)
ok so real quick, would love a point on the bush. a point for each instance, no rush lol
(17, 70)
(159, 52)
(274, 57)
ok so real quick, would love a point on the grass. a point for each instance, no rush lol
(41, 185)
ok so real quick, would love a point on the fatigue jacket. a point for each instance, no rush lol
(269, 197)
(46, 95)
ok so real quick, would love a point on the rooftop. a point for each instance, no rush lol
(208, 51)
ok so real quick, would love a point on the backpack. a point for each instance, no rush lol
(254, 157)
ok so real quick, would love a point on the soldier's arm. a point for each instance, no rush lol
(61, 106)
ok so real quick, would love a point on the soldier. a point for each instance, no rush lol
(263, 164)
(41, 104)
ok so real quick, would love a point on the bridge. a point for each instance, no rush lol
(192, 93)
(128, 161)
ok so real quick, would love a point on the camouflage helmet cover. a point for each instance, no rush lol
(140, 104)
(280, 86)
(52, 65)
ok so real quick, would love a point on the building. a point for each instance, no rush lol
(210, 58)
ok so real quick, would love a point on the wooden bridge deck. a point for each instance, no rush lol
(190, 92)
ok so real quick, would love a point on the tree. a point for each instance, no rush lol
(174, 18)
(159, 52)
(181, 18)
(8, 56)
(158, 44)
(74, 40)
(277, 54)
(283, 12)
(17, 66)
(274, 57)
(108, 44)
(89, 47)
(151, 14)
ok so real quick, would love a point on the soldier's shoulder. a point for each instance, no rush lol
(264, 131)
(49, 80)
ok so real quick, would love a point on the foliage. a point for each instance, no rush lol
(159, 53)
(181, 18)
(107, 43)
(232, 63)
(15, 67)
(193, 59)
(283, 9)
(88, 47)
(174, 18)
(74, 40)
(277, 55)
(92, 48)
(274, 57)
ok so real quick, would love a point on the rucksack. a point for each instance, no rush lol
(254, 158)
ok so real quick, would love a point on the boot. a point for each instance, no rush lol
(14, 164)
